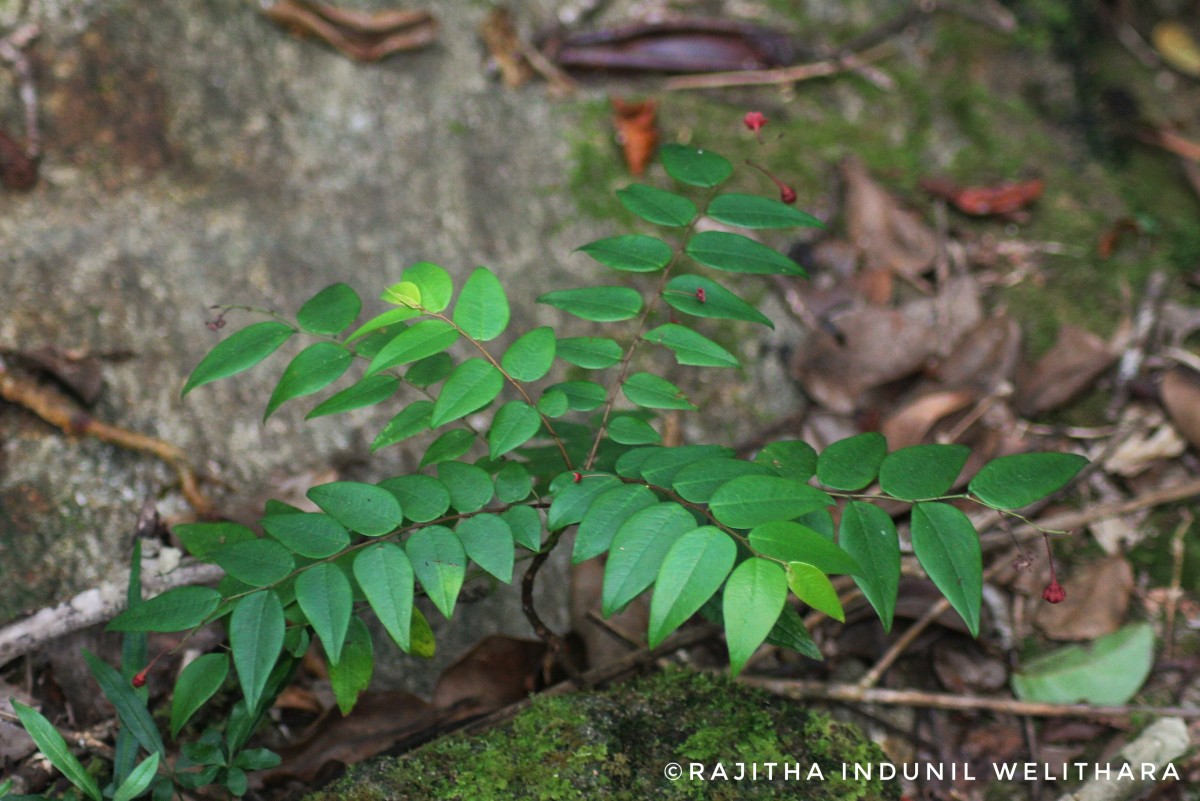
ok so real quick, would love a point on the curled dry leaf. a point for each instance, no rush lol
(637, 131)
(1181, 396)
(1098, 598)
(1076, 360)
(360, 35)
(911, 422)
(983, 201)
(887, 235)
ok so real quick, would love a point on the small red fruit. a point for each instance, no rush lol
(576, 477)
(1054, 593)
(139, 678)
(700, 294)
(754, 120)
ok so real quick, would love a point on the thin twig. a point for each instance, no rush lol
(779, 75)
(558, 649)
(1174, 594)
(1135, 353)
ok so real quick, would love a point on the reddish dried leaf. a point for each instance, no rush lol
(1181, 397)
(887, 235)
(496, 672)
(982, 201)
(910, 423)
(637, 132)
(1069, 368)
(1097, 600)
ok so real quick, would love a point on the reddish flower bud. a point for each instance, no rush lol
(139, 679)
(787, 194)
(1054, 594)
(754, 120)
(700, 294)
(576, 477)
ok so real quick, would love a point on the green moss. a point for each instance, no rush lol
(616, 744)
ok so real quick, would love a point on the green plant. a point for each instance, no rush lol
(710, 533)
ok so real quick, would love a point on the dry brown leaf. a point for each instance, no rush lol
(911, 422)
(496, 672)
(887, 235)
(1097, 600)
(1070, 367)
(986, 357)
(360, 35)
(966, 669)
(637, 132)
(1181, 396)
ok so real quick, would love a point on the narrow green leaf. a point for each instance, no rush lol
(174, 610)
(606, 514)
(473, 385)
(412, 420)
(530, 357)
(257, 759)
(365, 508)
(513, 483)
(256, 631)
(131, 709)
(435, 285)
(197, 683)
(315, 536)
(470, 487)
(698, 481)
(255, 562)
(591, 353)
(853, 463)
(947, 547)
(423, 498)
(451, 445)
(482, 308)
(139, 780)
(1011, 482)
(415, 342)
(526, 526)
(629, 430)
(749, 501)
(201, 539)
(351, 674)
(739, 254)
(754, 596)
(582, 396)
(430, 370)
(657, 205)
(793, 542)
(488, 542)
(330, 311)
(603, 304)
(388, 324)
(313, 369)
(324, 595)
(52, 744)
(695, 166)
(573, 500)
(1106, 672)
(792, 459)
(385, 575)
(651, 392)
(638, 550)
(691, 572)
(515, 423)
(633, 253)
(922, 471)
(367, 392)
(240, 351)
(755, 211)
(868, 534)
(684, 292)
(440, 564)
(690, 347)
(813, 587)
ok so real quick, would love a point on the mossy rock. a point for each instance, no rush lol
(617, 744)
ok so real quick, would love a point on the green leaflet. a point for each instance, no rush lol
(526, 526)
(754, 596)
(851, 464)
(174, 610)
(138, 780)
(131, 709)
(473, 385)
(256, 631)
(451, 445)
(330, 311)
(868, 534)
(684, 293)
(470, 487)
(430, 370)
(695, 166)
(789, 632)
(239, 351)
(530, 357)
(651, 392)
(315, 536)
(690, 347)
(657, 205)
(423, 643)
(691, 572)
(513, 483)
(660, 467)
(440, 564)
(1106, 672)
(433, 283)
(793, 542)
(515, 423)
(609, 510)
(572, 499)
(638, 550)
(388, 324)
(488, 542)
(351, 674)
(403, 293)
(385, 575)
(365, 508)
(482, 308)
(635, 253)
(313, 369)
(947, 547)
(629, 430)
(749, 501)
(813, 587)
(756, 211)
(367, 392)
(602, 304)
(52, 744)
(412, 420)
(698, 481)
(592, 353)
(415, 342)
(200, 539)
(922, 471)
(259, 562)
(739, 254)
(553, 403)
(423, 498)
(198, 682)
(324, 595)
(790, 458)
(1011, 482)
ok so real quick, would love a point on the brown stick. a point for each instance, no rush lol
(780, 75)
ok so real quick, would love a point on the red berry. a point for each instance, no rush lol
(139, 679)
(754, 120)
(787, 194)
(1054, 593)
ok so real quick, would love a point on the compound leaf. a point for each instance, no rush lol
(256, 562)
(526, 526)
(240, 351)
(691, 572)
(351, 674)
(482, 309)
(451, 445)
(947, 547)
(513, 483)
(792, 459)
(469, 486)
(698, 481)
(430, 370)
(423, 498)
(754, 596)
(330, 311)
(629, 430)
(574, 499)
(434, 285)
